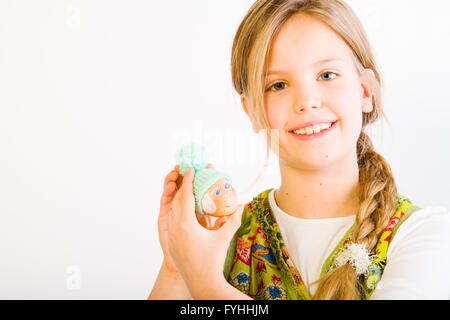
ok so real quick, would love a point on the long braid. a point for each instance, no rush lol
(377, 205)
(378, 194)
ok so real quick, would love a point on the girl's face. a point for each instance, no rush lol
(312, 77)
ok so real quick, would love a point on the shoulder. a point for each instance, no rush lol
(431, 222)
(428, 215)
(413, 229)
(417, 259)
(420, 229)
(410, 215)
(416, 216)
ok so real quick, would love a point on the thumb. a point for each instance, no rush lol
(187, 184)
(186, 194)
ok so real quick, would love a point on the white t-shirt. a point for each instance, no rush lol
(418, 258)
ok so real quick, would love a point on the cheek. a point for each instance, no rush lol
(340, 97)
(350, 121)
(276, 113)
(346, 104)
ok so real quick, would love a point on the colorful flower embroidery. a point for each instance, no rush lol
(275, 279)
(373, 277)
(260, 266)
(391, 226)
(259, 231)
(243, 251)
(274, 292)
(260, 285)
(264, 254)
(241, 280)
(291, 266)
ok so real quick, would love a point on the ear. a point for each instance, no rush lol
(368, 81)
(208, 205)
(244, 103)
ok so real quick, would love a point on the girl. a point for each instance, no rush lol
(336, 228)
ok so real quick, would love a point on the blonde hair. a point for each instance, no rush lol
(249, 61)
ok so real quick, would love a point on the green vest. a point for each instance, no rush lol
(259, 265)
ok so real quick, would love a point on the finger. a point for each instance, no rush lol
(169, 190)
(210, 166)
(168, 193)
(186, 186)
(179, 180)
(169, 187)
(171, 177)
(185, 195)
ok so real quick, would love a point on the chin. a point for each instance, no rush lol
(314, 166)
(310, 163)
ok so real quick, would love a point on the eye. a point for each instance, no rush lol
(276, 86)
(329, 77)
(227, 186)
(217, 192)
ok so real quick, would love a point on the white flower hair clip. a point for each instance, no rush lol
(358, 256)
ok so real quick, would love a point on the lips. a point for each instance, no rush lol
(311, 124)
(313, 136)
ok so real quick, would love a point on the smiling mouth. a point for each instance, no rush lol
(312, 130)
(308, 136)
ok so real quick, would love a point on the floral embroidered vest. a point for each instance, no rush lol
(259, 265)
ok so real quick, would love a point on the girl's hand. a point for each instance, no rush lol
(163, 219)
(172, 182)
(198, 253)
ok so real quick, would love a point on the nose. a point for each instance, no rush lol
(306, 97)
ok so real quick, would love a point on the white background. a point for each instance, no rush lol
(95, 96)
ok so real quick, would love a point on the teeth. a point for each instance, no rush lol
(315, 129)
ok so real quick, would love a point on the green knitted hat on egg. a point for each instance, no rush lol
(194, 155)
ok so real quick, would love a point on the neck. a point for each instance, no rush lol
(326, 193)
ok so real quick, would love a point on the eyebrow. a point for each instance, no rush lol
(314, 64)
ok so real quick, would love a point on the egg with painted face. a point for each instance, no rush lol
(220, 199)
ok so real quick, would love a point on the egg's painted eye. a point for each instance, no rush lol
(218, 192)
(227, 186)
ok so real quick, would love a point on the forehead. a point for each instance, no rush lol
(303, 41)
